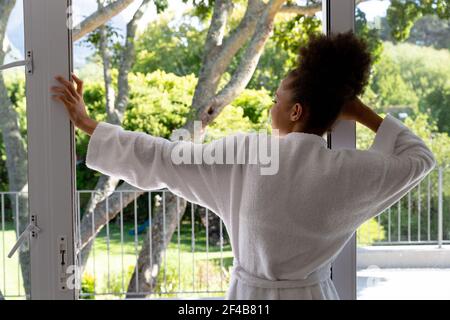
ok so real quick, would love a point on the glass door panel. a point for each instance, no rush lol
(401, 253)
(14, 212)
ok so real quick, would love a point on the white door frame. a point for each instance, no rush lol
(51, 146)
(339, 16)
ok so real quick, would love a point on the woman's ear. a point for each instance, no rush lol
(296, 112)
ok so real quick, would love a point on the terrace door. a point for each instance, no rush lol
(14, 208)
(403, 252)
(36, 148)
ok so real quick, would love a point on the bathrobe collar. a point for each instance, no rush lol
(308, 136)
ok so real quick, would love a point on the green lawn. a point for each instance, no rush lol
(10, 274)
(184, 269)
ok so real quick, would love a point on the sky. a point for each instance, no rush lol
(83, 8)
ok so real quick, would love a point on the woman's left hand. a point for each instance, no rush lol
(72, 98)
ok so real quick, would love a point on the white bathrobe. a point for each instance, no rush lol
(285, 229)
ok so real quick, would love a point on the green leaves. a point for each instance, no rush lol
(370, 35)
(401, 18)
(295, 33)
(248, 112)
(161, 5)
(159, 102)
(402, 14)
(176, 50)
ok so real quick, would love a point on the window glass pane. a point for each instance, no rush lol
(14, 215)
(411, 80)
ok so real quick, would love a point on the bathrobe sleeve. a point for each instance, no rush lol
(408, 161)
(146, 162)
(394, 164)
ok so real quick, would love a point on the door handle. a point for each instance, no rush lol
(28, 63)
(32, 229)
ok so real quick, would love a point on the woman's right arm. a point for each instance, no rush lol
(142, 160)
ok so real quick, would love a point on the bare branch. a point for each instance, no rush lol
(215, 62)
(240, 35)
(105, 54)
(127, 59)
(218, 24)
(306, 10)
(247, 65)
(99, 18)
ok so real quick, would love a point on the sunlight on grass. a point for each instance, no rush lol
(183, 269)
(111, 264)
(11, 282)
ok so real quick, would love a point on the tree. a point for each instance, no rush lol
(402, 14)
(415, 77)
(431, 31)
(439, 99)
(176, 49)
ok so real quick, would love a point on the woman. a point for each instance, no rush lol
(286, 228)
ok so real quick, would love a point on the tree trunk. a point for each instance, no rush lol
(151, 255)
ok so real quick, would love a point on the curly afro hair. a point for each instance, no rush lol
(331, 70)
